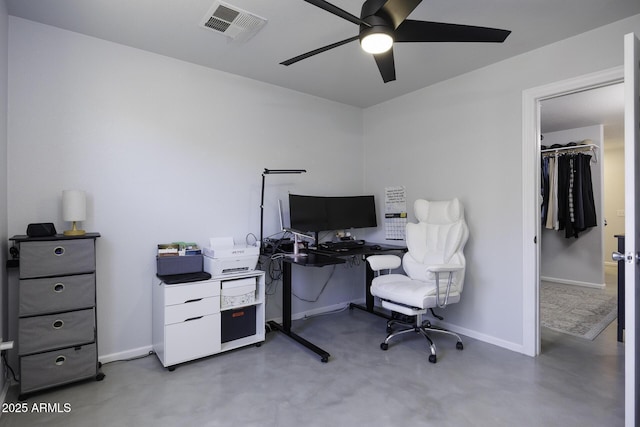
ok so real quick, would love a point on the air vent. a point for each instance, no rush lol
(233, 22)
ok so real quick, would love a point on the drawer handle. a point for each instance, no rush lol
(57, 324)
(58, 287)
(58, 251)
(60, 360)
(194, 318)
(193, 300)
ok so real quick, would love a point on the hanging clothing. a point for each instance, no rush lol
(551, 220)
(564, 173)
(585, 212)
(544, 178)
(568, 202)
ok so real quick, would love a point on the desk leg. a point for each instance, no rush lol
(286, 296)
(369, 278)
(369, 299)
(285, 328)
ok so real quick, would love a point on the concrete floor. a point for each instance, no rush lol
(573, 383)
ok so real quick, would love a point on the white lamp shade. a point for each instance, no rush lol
(74, 205)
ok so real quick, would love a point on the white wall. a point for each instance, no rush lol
(463, 138)
(166, 151)
(613, 196)
(576, 261)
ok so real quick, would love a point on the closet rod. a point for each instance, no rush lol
(591, 147)
(574, 148)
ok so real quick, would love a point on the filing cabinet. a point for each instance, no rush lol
(57, 326)
(186, 321)
(191, 320)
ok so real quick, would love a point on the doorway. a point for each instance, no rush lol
(531, 182)
(578, 283)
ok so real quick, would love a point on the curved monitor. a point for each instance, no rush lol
(321, 213)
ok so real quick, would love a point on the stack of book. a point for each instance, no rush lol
(178, 249)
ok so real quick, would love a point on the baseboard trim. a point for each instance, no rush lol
(508, 345)
(125, 355)
(573, 282)
(145, 350)
(488, 339)
(315, 312)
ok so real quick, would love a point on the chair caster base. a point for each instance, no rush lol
(459, 345)
(384, 346)
(433, 358)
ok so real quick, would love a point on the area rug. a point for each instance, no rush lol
(576, 310)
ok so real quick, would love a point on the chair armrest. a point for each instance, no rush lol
(384, 262)
(444, 268)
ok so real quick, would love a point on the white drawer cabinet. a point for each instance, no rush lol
(190, 340)
(187, 318)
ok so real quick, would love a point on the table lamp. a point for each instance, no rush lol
(74, 209)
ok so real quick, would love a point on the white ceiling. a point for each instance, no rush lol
(345, 74)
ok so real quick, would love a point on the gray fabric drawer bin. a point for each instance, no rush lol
(54, 258)
(59, 367)
(54, 294)
(52, 331)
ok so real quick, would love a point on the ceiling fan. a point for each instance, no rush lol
(383, 22)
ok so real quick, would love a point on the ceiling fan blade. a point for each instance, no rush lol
(386, 65)
(325, 5)
(424, 31)
(317, 51)
(398, 10)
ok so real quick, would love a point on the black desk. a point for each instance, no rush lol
(322, 258)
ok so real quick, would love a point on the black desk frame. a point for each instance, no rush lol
(369, 299)
(321, 259)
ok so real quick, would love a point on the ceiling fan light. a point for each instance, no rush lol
(376, 43)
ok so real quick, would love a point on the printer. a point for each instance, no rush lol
(223, 256)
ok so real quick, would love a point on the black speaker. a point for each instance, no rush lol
(41, 229)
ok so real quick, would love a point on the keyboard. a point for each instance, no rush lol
(172, 279)
(341, 245)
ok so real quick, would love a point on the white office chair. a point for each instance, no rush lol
(435, 247)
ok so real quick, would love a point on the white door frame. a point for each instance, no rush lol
(631, 226)
(531, 99)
